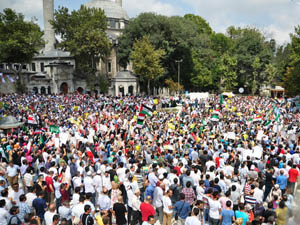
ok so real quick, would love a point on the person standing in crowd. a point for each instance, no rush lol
(49, 214)
(167, 208)
(147, 209)
(182, 209)
(86, 218)
(40, 206)
(293, 176)
(227, 214)
(193, 220)
(136, 204)
(119, 211)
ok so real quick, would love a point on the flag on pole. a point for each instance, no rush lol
(31, 120)
(257, 119)
(140, 120)
(146, 110)
(54, 129)
(221, 99)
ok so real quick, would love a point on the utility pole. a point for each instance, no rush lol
(179, 61)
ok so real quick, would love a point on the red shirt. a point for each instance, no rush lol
(177, 168)
(146, 210)
(49, 182)
(293, 174)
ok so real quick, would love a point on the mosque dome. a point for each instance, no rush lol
(111, 8)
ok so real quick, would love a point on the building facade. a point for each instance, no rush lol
(52, 70)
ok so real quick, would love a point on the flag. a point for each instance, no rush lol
(215, 117)
(140, 120)
(31, 120)
(257, 119)
(146, 110)
(196, 139)
(269, 106)
(41, 141)
(267, 123)
(54, 129)
(221, 99)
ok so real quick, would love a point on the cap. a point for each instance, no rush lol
(161, 177)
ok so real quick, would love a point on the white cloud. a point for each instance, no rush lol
(276, 17)
(30, 8)
(135, 7)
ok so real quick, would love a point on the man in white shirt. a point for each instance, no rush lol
(106, 181)
(15, 193)
(167, 208)
(12, 172)
(78, 210)
(30, 196)
(49, 214)
(3, 213)
(89, 185)
(157, 202)
(98, 183)
(194, 219)
(65, 212)
(136, 203)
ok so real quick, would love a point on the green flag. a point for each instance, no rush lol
(221, 100)
(54, 129)
(41, 141)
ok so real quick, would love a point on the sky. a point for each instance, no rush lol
(275, 18)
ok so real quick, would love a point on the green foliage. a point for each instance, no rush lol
(146, 60)
(175, 35)
(173, 86)
(202, 24)
(292, 75)
(20, 40)
(83, 34)
(228, 74)
(100, 80)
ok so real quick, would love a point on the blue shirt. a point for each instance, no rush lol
(149, 191)
(227, 216)
(282, 181)
(183, 209)
(239, 214)
(39, 205)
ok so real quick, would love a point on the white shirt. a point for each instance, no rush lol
(129, 196)
(214, 207)
(57, 189)
(166, 203)
(121, 174)
(98, 183)
(88, 185)
(136, 203)
(12, 171)
(3, 216)
(157, 197)
(192, 220)
(106, 182)
(15, 195)
(65, 212)
(78, 210)
(28, 179)
(258, 194)
(75, 199)
(49, 217)
(29, 198)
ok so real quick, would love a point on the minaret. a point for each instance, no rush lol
(119, 2)
(49, 36)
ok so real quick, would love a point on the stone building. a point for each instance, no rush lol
(52, 70)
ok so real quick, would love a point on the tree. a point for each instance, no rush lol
(173, 86)
(227, 70)
(20, 40)
(83, 33)
(292, 75)
(147, 61)
(175, 35)
(202, 24)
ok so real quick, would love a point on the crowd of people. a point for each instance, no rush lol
(81, 159)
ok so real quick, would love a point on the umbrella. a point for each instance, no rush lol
(9, 122)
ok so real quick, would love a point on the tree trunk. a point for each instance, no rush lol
(148, 87)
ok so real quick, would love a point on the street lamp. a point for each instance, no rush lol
(179, 61)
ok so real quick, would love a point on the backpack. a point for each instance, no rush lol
(19, 221)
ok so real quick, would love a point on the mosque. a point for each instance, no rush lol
(52, 70)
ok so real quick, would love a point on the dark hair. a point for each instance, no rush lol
(55, 218)
(2, 203)
(13, 210)
(150, 217)
(22, 198)
(228, 203)
(77, 189)
(188, 184)
(281, 204)
(196, 211)
(81, 198)
(105, 220)
(87, 208)
(241, 206)
(181, 196)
